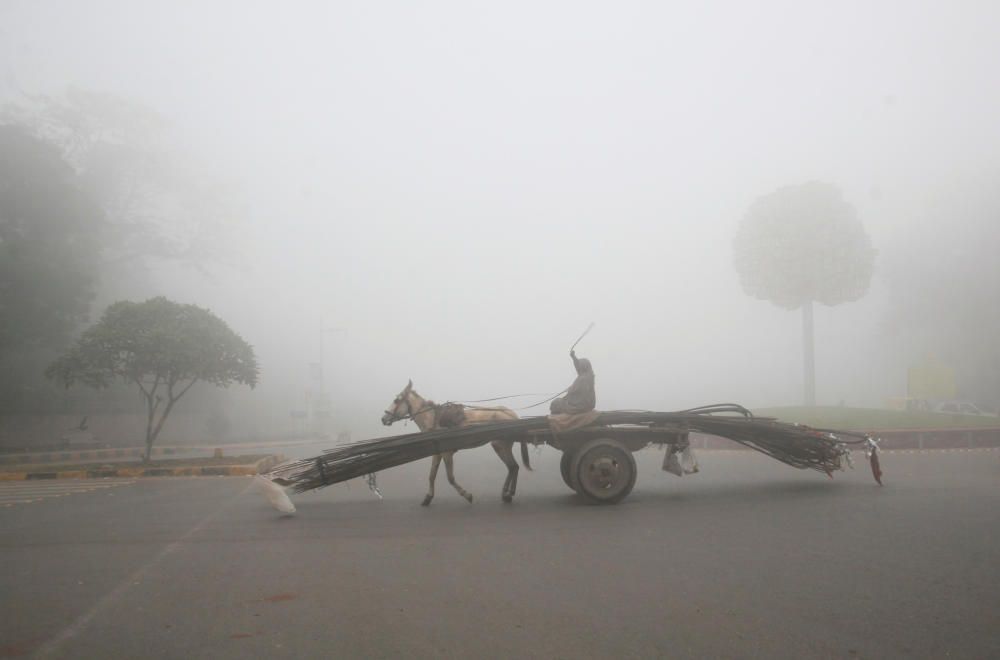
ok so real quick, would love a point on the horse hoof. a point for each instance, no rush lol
(468, 497)
(427, 501)
(508, 498)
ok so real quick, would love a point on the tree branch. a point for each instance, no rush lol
(138, 382)
(170, 404)
(186, 388)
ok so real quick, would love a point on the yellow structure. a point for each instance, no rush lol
(930, 380)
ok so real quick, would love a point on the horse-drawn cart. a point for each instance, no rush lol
(597, 459)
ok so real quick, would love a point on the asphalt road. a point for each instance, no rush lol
(749, 558)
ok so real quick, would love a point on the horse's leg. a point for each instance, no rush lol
(435, 462)
(515, 469)
(504, 451)
(449, 466)
(498, 448)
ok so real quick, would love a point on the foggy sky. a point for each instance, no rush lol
(463, 187)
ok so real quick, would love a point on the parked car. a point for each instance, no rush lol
(961, 408)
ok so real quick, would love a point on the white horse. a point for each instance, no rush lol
(429, 416)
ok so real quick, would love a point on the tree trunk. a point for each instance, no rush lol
(151, 412)
(809, 357)
(153, 431)
(163, 418)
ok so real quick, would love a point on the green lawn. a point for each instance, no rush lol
(870, 419)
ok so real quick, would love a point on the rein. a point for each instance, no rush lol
(535, 405)
(430, 405)
(509, 396)
(514, 396)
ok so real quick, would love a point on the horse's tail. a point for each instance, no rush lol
(524, 455)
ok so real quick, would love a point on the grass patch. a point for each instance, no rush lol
(872, 419)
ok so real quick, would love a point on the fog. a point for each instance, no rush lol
(461, 188)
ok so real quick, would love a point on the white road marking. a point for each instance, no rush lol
(26, 492)
(15, 486)
(81, 623)
(890, 451)
(960, 450)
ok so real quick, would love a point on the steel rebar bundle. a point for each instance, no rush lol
(796, 445)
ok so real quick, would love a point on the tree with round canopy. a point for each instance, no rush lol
(799, 245)
(162, 347)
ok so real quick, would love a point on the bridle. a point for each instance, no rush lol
(394, 416)
(410, 412)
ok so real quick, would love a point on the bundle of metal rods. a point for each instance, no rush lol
(799, 446)
(370, 456)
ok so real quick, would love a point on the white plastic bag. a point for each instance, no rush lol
(688, 462)
(275, 495)
(671, 463)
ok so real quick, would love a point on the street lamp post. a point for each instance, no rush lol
(322, 404)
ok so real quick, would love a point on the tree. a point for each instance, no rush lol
(803, 244)
(49, 242)
(156, 207)
(162, 347)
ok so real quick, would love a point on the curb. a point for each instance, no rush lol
(263, 465)
(83, 455)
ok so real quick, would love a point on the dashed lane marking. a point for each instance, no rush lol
(26, 492)
(53, 645)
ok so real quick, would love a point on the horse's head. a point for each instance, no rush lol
(400, 407)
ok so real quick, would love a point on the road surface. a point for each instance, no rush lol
(749, 558)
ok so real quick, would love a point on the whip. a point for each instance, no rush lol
(589, 328)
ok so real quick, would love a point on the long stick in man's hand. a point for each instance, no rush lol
(589, 328)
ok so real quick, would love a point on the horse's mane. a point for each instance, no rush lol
(427, 402)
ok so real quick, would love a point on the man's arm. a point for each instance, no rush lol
(576, 361)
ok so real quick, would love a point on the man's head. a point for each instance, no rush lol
(583, 366)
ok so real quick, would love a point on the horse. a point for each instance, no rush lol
(431, 416)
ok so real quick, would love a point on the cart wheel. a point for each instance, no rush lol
(565, 463)
(604, 471)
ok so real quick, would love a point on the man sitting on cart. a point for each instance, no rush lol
(580, 397)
